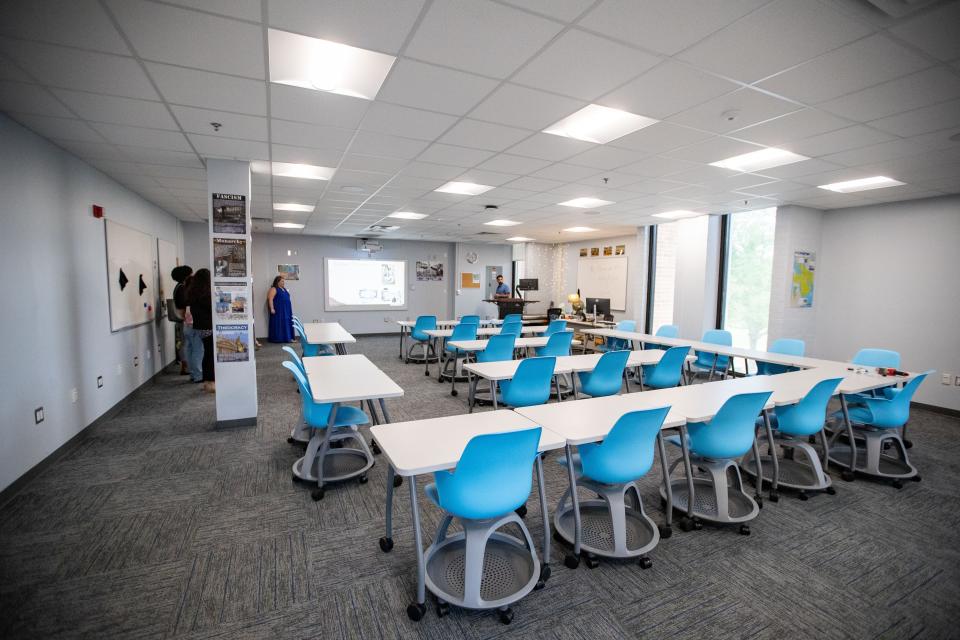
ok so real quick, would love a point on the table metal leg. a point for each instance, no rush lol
(403, 333)
(472, 395)
(773, 456)
(542, 491)
(493, 394)
(453, 376)
(849, 473)
(572, 477)
(688, 467)
(317, 494)
(419, 603)
(386, 543)
(756, 455)
(713, 367)
(667, 529)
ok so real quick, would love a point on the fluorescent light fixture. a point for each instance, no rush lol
(287, 225)
(863, 184)
(292, 206)
(677, 214)
(407, 215)
(585, 203)
(759, 160)
(291, 170)
(519, 239)
(598, 124)
(464, 188)
(579, 229)
(323, 65)
(502, 223)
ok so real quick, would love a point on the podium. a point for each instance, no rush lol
(510, 305)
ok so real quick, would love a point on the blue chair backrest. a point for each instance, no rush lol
(555, 326)
(607, 377)
(511, 328)
(499, 348)
(807, 416)
(513, 317)
(877, 358)
(316, 415)
(531, 383)
(470, 319)
(616, 344)
(627, 452)
(893, 413)
(296, 359)
(786, 346)
(668, 371)
(668, 331)
(462, 332)
(422, 324)
(730, 433)
(493, 476)
(715, 336)
(557, 345)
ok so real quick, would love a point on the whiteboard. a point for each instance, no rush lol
(130, 276)
(604, 278)
(365, 285)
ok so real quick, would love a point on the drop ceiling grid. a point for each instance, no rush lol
(592, 162)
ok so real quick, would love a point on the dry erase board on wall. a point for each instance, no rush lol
(130, 276)
(604, 278)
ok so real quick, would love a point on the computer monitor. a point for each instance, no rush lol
(600, 306)
(528, 284)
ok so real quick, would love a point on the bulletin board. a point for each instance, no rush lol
(131, 275)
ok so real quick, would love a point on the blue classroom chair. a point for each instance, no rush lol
(619, 344)
(513, 317)
(786, 346)
(710, 363)
(513, 328)
(301, 431)
(461, 331)
(470, 319)
(606, 378)
(668, 372)
(499, 348)
(422, 340)
(530, 384)
(557, 345)
(665, 331)
(555, 326)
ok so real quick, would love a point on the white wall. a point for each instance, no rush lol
(545, 262)
(56, 325)
(798, 229)
(695, 289)
(470, 301)
(887, 278)
(636, 270)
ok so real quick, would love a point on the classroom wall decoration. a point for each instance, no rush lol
(428, 270)
(289, 271)
(130, 276)
(233, 343)
(469, 280)
(583, 252)
(608, 251)
(229, 258)
(801, 286)
(229, 213)
(621, 250)
(594, 251)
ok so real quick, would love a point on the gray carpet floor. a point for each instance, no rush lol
(153, 524)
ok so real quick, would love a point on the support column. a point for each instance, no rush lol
(228, 185)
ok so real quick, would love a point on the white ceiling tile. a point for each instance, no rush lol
(945, 115)
(243, 9)
(550, 147)
(165, 171)
(318, 107)
(483, 135)
(161, 156)
(302, 134)
(234, 125)
(666, 89)
(92, 150)
(798, 170)
(141, 137)
(876, 153)
(58, 128)
(480, 37)
(584, 66)
(791, 127)
(430, 170)
(369, 24)
(565, 10)
(79, 23)
(840, 140)
(190, 38)
(456, 156)
(904, 94)
(528, 108)
(427, 86)
(665, 27)
(605, 157)
(656, 166)
(304, 155)
(747, 107)
(507, 163)
(222, 147)
(850, 68)
(660, 137)
(411, 123)
(705, 174)
(10, 71)
(82, 70)
(534, 184)
(712, 150)
(489, 178)
(30, 98)
(779, 35)
(934, 31)
(566, 172)
(381, 144)
(209, 90)
(111, 109)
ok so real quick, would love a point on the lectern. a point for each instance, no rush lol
(509, 305)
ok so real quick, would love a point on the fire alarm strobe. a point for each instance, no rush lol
(97, 211)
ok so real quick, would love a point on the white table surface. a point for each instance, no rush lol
(505, 369)
(520, 343)
(484, 331)
(327, 333)
(347, 379)
(425, 446)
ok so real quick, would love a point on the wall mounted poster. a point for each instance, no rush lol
(594, 251)
(233, 343)
(427, 270)
(469, 280)
(229, 213)
(231, 301)
(229, 258)
(608, 251)
(621, 250)
(801, 287)
(130, 275)
(583, 252)
(289, 271)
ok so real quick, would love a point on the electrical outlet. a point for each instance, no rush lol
(136, 361)
(956, 381)
(99, 382)
(74, 395)
(946, 378)
(38, 415)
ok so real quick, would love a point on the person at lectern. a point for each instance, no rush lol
(503, 290)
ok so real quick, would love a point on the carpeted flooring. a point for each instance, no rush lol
(153, 524)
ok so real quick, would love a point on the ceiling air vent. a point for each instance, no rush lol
(381, 228)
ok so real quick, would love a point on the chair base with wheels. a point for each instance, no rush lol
(427, 353)
(872, 457)
(338, 464)
(612, 526)
(800, 465)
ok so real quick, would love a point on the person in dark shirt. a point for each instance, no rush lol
(180, 275)
(199, 303)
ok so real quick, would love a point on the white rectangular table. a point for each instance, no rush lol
(328, 333)
(407, 325)
(426, 446)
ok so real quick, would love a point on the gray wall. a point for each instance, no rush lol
(56, 325)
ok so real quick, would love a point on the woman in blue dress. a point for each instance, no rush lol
(281, 312)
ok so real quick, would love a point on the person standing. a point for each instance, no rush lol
(503, 289)
(180, 275)
(200, 308)
(281, 311)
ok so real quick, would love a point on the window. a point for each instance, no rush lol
(746, 276)
(661, 282)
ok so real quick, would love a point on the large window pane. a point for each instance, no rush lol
(665, 273)
(749, 275)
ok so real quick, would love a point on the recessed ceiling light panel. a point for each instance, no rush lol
(291, 170)
(407, 215)
(759, 160)
(463, 188)
(579, 229)
(323, 65)
(293, 206)
(519, 239)
(287, 225)
(585, 203)
(598, 124)
(863, 184)
(677, 214)
(502, 223)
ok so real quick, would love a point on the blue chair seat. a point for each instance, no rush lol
(675, 441)
(347, 415)
(431, 491)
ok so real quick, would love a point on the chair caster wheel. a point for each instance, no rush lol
(665, 531)
(645, 563)
(831, 491)
(744, 530)
(317, 494)
(442, 609)
(915, 478)
(545, 573)
(803, 496)
(908, 444)
(697, 525)
(591, 560)
(397, 481)
(540, 585)
(415, 611)
(426, 373)
(571, 561)
(773, 496)
(505, 615)
(759, 500)
(386, 544)
(375, 448)
(363, 479)
(522, 511)
(291, 440)
(454, 392)
(847, 475)
(897, 484)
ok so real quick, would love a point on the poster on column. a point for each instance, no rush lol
(229, 258)
(231, 301)
(801, 285)
(233, 343)
(229, 213)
